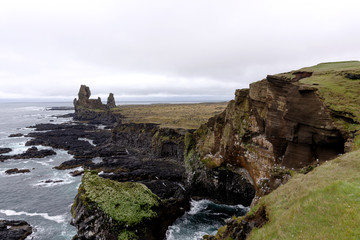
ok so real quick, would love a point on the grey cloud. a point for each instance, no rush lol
(175, 48)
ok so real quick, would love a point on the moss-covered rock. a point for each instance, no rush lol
(110, 209)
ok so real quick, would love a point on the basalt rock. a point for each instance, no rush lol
(93, 110)
(240, 228)
(150, 140)
(5, 150)
(16, 171)
(14, 230)
(16, 135)
(32, 152)
(277, 122)
(111, 101)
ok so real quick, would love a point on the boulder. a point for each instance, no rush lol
(14, 230)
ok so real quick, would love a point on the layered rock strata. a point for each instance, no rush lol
(277, 122)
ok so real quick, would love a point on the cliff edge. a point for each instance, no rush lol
(285, 122)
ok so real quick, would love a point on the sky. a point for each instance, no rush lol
(165, 49)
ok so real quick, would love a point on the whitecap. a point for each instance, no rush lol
(58, 219)
(87, 140)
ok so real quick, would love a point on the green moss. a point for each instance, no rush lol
(209, 162)
(127, 235)
(128, 203)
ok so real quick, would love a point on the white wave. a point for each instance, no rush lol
(87, 140)
(58, 219)
(42, 163)
(53, 182)
(197, 206)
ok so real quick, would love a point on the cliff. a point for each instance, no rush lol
(291, 120)
(93, 110)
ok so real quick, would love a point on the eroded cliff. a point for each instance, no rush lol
(284, 121)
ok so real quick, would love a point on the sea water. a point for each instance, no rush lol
(46, 206)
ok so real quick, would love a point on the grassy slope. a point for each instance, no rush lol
(188, 116)
(324, 204)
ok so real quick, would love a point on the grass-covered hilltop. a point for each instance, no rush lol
(289, 147)
(324, 203)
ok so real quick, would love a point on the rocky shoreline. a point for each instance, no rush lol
(237, 157)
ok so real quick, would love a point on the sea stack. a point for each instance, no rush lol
(111, 101)
(93, 110)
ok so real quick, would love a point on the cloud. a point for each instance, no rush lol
(165, 48)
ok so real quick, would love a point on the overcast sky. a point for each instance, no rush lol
(165, 49)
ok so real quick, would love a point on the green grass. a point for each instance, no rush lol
(324, 204)
(334, 66)
(128, 203)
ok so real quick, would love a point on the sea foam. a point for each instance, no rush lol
(58, 219)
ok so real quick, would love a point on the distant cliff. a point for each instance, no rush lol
(291, 120)
(93, 110)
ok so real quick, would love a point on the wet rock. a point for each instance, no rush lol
(14, 230)
(76, 173)
(5, 150)
(240, 228)
(16, 171)
(52, 181)
(16, 135)
(60, 108)
(32, 152)
(66, 136)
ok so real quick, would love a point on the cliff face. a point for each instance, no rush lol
(150, 140)
(278, 122)
(93, 110)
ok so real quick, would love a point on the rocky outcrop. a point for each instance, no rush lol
(240, 228)
(5, 150)
(277, 122)
(111, 101)
(32, 152)
(150, 140)
(93, 110)
(14, 230)
(106, 209)
(16, 171)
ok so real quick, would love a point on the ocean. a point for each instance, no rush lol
(46, 206)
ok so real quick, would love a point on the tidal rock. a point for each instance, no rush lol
(16, 171)
(5, 150)
(14, 230)
(76, 173)
(32, 152)
(52, 181)
(16, 135)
